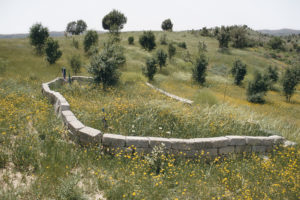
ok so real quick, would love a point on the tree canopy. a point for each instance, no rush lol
(167, 25)
(38, 36)
(114, 21)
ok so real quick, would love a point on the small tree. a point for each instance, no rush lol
(76, 28)
(272, 75)
(147, 40)
(199, 70)
(38, 36)
(52, 51)
(182, 45)
(131, 40)
(239, 37)
(204, 32)
(150, 69)
(257, 89)
(171, 50)
(114, 21)
(238, 71)
(90, 39)
(104, 66)
(224, 37)
(289, 83)
(75, 63)
(202, 47)
(161, 57)
(167, 25)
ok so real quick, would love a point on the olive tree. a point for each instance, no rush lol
(167, 25)
(238, 71)
(38, 36)
(114, 21)
(52, 50)
(147, 40)
(90, 39)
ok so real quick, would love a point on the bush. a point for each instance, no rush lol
(182, 45)
(150, 69)
(38, 36)
(90, 39)
(52, 51)
(257, 89)
(130, 40)
(289, 83)
(202, 47)
(161, 57)
(171, 50)
(239, 37)
(167, 25)
(238, 71)
(224, 37)
(75, 63)
(276, 43)
(147, 40)
(204, 32)
(163, 39)
(199, 70)
(104, 66)
(272, 74)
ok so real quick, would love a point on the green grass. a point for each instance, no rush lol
(38, 161)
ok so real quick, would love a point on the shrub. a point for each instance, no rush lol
(224, 37)
(90, 39)
(161, 57)
(289, 83)
(104, 66)
(75, 63)
(182, 45)
(171, 50)
(167, 25)
(52, 51)
(130, 40)
(199, 70)
(239, 37)
(147, 40)
(38, 36)
(150, 69)
(257, 89)
(272, 74)
(238, 71)
(202, 47)
(155, 161)
(204, 32)
(163, 39)
(114, 21)
(276, 43)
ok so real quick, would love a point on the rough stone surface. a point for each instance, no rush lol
(89, 135)
(277, 139)
(236, 140)
(65, 114)
(138, 142)
(226, 150)
(181, 144)
(201, 143)
(244, 148)
(288, 143)
(259, 149)
(113, 140)
(154, 141)
(220, 142)
(251, 140)
(74, 126)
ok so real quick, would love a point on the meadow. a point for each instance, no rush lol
(38, 161)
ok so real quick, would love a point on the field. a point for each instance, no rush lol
(38, 161)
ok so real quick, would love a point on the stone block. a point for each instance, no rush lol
(88, 135)
(64, 106)
(226, 150)
(65, 114)
(154, 141)
(138, 142)
(181, 144)
(255, 141)
(201, 143)
(113, 140)
(236, 140)
(259, 149)
(244, 148)
(74, 126)
(276, 139)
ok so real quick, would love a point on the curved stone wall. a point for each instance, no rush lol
(187, 147)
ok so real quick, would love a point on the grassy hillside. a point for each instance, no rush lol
(38, 161)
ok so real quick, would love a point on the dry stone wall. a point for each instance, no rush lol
(187, 147)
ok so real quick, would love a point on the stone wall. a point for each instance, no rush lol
(187, 147)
